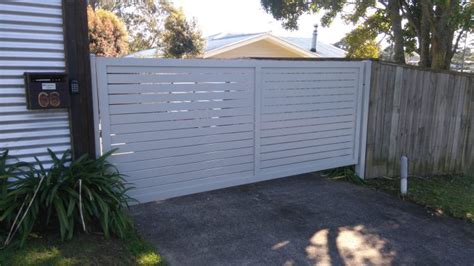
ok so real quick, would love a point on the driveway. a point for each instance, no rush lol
(301, 220)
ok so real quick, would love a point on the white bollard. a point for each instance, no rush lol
(404, 175)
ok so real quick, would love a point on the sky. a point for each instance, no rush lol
(247, 16)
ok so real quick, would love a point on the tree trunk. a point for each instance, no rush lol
(424, 39)
(396, 23)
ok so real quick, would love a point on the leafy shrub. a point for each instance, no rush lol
(348, 173)
(108, 35)
(84, 193)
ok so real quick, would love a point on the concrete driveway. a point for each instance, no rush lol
(302, 220)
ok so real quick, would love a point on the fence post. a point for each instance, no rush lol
(95, 106)
(360, 167)
(257, 109)
(78, 69)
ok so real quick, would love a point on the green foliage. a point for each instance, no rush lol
(346, 173)
(107, 33)
(452, 195)
(430, 28)
(60, 187)
(181, 38)
(84, 249)
(360, 43)
(144, 19)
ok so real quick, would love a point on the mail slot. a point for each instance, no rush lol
(47, 90)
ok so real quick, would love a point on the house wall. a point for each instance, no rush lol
(261, 48)
(425, 115)
(31, 40)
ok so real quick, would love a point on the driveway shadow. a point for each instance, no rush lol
(301, 220)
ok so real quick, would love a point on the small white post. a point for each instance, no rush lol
(404, 175)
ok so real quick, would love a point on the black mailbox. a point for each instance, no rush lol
(47, 90)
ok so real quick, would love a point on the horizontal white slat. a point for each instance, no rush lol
(31, 45)
(35, 125)
(312, 165)
(49, 3)
(306, 136)
(180, 133)
(12, 100)
(176, 143)
(148, 108)
(308, 84)
(306, 143)
(163, 180)
(306, 107)
(304, 122)
(315, 77)
(197, 149)
(29, 63)
(54, 20)
(306, 158)
(11, 81)
(172, 125)
(315, 69)
(8, 7)
(32, 28)
(184, 160)
(148, 98)
(307, 114)
(304, 129)
(28, 36)
(307, 92)
(43, 150)
(33, 116)
(164, 172)
(192, 77)
(20, 71)
(306, 150)
(30, 143)
(111, 69)
(307, 99)
(34, 134)
(190, 87)
(33, 55)
(166, 116)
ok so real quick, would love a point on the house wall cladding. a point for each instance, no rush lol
(425, 115)
(187, 126)
(31, 40)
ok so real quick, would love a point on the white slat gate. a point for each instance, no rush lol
(186, 126)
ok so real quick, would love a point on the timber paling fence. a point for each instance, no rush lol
(425, 115)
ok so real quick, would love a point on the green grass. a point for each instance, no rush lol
(82, 250)
(450, 195)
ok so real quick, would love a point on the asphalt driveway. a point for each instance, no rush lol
(302, 220)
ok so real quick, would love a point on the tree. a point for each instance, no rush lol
(144, 19)
(181, 39)
(359, 43)
(433, 28)
(107, 33)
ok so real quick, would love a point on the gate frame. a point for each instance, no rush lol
(101, 116)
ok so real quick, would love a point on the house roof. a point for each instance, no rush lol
(222, 41)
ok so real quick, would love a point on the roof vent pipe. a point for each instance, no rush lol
(315, 39)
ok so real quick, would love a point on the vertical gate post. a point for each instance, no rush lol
(360, 166)
(78, 68)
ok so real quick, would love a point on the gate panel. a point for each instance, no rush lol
(186, 126)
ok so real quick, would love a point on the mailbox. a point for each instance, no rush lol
(47, 90)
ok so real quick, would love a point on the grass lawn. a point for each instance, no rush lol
(82, 250)
(450, 195)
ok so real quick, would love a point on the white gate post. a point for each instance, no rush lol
(258, 105)
(95, 106)
(360, 166)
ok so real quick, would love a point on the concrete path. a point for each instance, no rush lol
(302, 220)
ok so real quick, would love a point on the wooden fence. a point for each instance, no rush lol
(425, 115)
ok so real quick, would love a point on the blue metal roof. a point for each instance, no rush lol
(222, 40)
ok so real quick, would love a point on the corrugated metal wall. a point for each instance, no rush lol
(31, 39)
